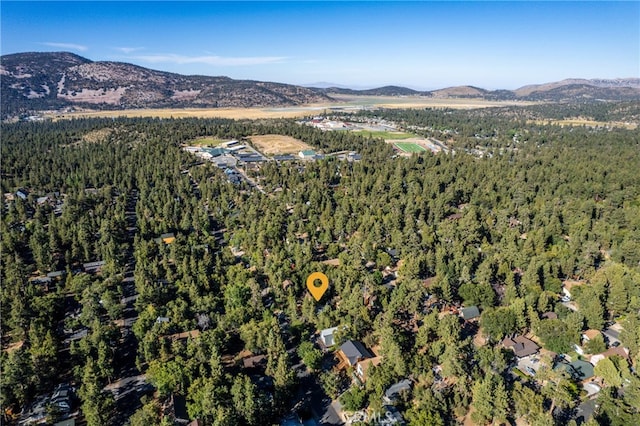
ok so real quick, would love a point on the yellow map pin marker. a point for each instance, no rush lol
(317, 291)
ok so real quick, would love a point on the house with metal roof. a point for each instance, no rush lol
(470, 313)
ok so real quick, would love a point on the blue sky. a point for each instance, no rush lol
(424, 45)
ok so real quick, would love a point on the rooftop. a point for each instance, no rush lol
(520, 345)
(470, 312)
(354, 351)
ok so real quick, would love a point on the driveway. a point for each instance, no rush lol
(585, 411)
(529, 364)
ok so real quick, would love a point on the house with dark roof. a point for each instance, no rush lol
(256, 361)
(22, 193)
(470, 313)
(579, 370)
(351, 352)
(58, 275)
(520, 345)
(93, 267)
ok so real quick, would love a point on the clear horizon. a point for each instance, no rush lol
(421, 45)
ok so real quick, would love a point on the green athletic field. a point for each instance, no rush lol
(409, 147)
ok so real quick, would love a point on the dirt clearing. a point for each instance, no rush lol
(278, 144)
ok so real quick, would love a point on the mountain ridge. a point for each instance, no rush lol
(36, 81)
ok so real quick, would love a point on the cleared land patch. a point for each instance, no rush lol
(96, 136)
(578, 122)
(278, 144)
(409, 147)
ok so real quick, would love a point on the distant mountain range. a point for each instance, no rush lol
(49, 81)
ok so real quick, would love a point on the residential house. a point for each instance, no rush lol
(549, 315)
(45, 282)
(57, 275)
(520, 345)
(22, 193)
(580, 370)
(327, 337)
(161, 320)
(470, 313)
(166, 238)
(176, 408)
(590, 335)
(93, 267)
(351, 352)
(363, 367)
(567, 285)
(185, 335)
(619, 351)
(257, 361)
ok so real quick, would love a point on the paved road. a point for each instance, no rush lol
(250, 180)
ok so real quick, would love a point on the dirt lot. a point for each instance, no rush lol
(278, 144)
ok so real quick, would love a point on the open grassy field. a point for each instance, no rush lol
(409, 147)
(341, 102)
(384, 135)
(278, 144)
(208, 141)
(419, 102)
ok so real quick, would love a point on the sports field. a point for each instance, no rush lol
(206, 141)
(278, 144)
(409, 147)
(386, 135)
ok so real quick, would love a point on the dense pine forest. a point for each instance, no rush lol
(406, 241)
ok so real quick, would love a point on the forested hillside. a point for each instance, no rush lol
(414, 240)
